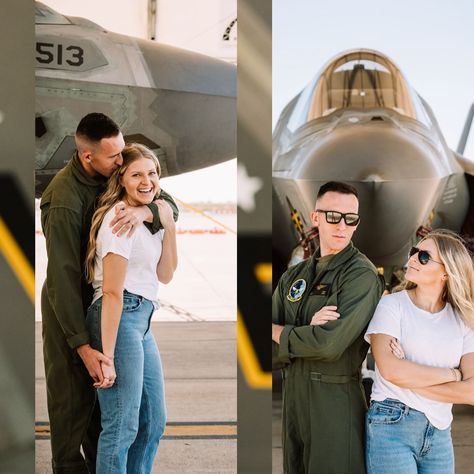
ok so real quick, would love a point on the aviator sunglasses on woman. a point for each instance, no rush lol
(423, 256)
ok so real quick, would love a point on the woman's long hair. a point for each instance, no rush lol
(458, 263)
(112, 195)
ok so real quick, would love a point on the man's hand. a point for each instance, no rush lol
(276, 332)
(109, 375)
(92, 360)
(128, 218)
(166, 214)
(324, 315)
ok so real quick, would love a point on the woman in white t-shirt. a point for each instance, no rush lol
(124, 271)
(422, 340)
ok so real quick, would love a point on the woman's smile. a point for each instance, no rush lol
(140, 182)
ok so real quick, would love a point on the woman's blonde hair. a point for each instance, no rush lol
(112, 195)
(459, 267)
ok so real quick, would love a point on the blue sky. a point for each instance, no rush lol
(431, 41)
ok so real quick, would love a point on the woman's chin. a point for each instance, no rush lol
(409, 275)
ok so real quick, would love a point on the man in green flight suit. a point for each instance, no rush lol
(71, 365)
(320, 310)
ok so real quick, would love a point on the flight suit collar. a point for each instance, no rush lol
(80, 173)
(330, 262)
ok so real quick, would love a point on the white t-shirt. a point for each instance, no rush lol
(143, 252)
(435, 339)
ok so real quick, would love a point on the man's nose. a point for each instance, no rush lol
(119, 160)
(341, 224)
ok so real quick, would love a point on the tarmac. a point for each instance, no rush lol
(462, 434)
(199, 363)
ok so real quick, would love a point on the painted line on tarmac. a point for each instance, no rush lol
(173, 431)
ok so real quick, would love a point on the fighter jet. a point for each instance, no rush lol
(360, 121)
(179, 103)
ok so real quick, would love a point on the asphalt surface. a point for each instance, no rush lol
(199, 362)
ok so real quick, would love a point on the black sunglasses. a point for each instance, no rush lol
(423, 256)
(334, 217)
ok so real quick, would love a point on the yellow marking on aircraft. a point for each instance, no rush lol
(255, 376)
(263, 271)
(295, 217)
(17, 260)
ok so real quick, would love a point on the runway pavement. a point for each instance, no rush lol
(199, 362)
(462, 433)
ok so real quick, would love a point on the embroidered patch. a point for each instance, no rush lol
(321, 289)
(296, 290)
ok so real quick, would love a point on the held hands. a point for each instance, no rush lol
(324, 315)
(128, 218)
(94, 361)
(166, 214)
(109, 374)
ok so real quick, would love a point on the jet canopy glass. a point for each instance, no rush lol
(358, 80)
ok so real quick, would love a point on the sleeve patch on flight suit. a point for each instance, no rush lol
(297, 289)
(321, 289)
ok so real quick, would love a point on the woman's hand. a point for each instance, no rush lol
(396, 349)
(166, 214)
(324, 315)
(109, 375)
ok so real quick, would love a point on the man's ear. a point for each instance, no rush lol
(314, 218)
(85, 155)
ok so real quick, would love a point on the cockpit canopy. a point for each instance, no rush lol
(360, 79)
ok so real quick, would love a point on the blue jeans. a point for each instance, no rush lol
(133, 409)
(400, 439)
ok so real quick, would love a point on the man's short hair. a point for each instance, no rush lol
(337, 187)
(95, 126)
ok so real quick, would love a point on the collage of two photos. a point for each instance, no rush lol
(158, 135)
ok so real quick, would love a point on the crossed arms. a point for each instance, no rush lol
(435, 383)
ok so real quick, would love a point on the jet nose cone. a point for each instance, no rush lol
(373, 152)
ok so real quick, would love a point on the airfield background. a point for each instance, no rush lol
(16, 237)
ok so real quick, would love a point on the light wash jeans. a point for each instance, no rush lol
(401, 440)
(133, 409)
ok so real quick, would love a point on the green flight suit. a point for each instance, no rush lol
(323, 400)
(67, 207)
